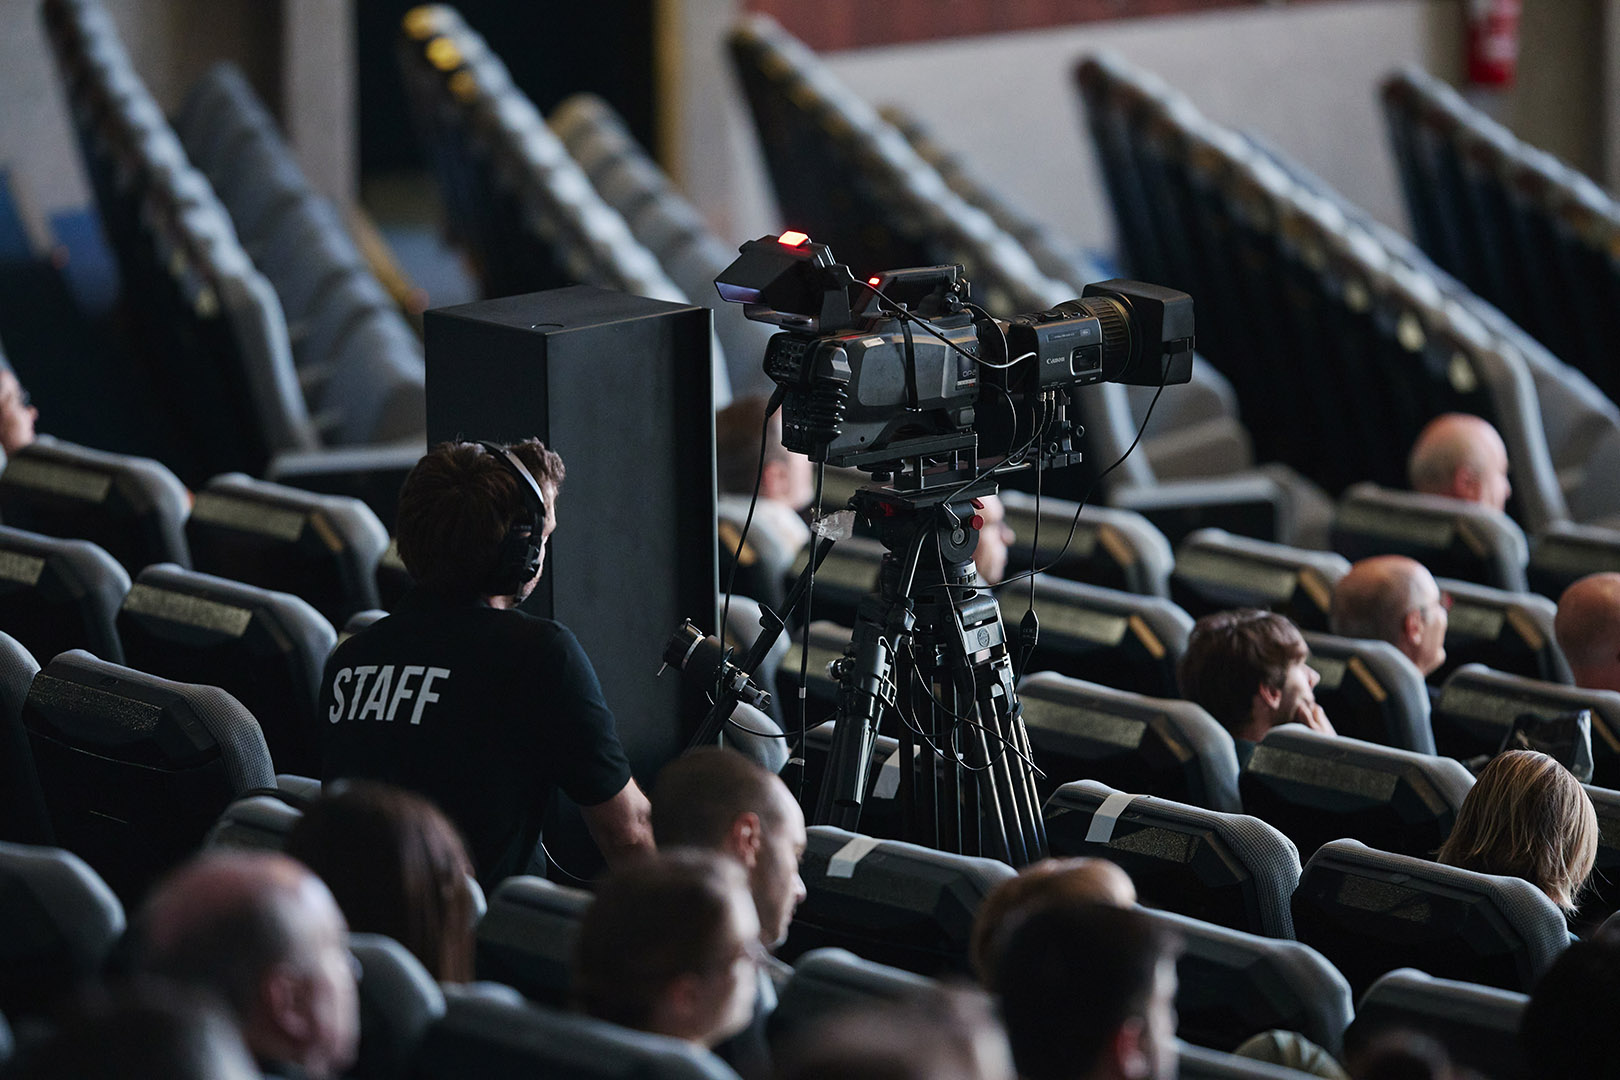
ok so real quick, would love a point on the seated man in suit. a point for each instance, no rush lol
(1462, 457)
(1247, 669)
(1392, 598)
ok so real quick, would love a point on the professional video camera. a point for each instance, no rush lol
(904, 366)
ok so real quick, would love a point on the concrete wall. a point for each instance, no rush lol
(1303, 76)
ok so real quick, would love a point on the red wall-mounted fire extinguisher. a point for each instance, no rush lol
(1493, 42)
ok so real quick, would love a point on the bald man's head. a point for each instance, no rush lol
(1463, 457)
(262, 933)
(1395, 599)
(1588, 631)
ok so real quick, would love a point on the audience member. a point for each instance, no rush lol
(1588, 630)
(1395, 599)
(995, 537)
(786, 482)
(1080, 879)
(263, 934)
(1247, 669)
(1404, 1055)
(482, 708)
(717, 800)
(1463, 457)
(150, 1030)
(17, 412)
(1568, 1029)
(396, 867)
(671, 945)
(1527, 817)
(945, 1033)
(1087, 993)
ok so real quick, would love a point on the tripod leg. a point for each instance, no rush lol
(865, 681)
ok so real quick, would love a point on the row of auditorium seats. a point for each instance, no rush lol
(516, 202)
(906, 906)
(1201, 207)
(850, 179)
(359, 362)
(1520, 228)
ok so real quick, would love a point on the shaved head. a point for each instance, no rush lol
(1462, 457)
(1395, 599)
(1588, 630)
(263, 934)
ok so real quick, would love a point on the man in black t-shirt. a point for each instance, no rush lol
(457, 695)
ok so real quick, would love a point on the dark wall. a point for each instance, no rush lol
(552, 49)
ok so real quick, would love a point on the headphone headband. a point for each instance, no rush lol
(518, 559)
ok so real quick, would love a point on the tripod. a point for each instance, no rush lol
(930, 649)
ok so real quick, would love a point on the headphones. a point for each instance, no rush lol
(519, 556)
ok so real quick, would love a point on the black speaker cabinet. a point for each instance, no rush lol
(618, 385)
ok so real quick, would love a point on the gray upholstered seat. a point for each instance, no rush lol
(1216, 571)
(888, 901)
(1317, 788)
(1370, 912)
(1506, 631)
(132, 507)
(61, 922)
(1371, 691)
(835, 980)
(1479, 1025)
(1228, 869)
(1124, 640)
(399, 1001)
(1156, 746)
(1114, 548)
(1477, 708)
(57, 595)
(22, 806)
(1453, 538)
(257, 823)
(136, 769)
(526, 938)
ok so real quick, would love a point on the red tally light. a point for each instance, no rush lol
(793, 239)
(873, 280)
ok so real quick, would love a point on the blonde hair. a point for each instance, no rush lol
(1527, 817)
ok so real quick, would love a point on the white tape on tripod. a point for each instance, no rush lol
(846, 858)
(888, 781)
(1107, 816)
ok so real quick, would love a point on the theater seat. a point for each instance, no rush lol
(1370, 912)
(1227, 869)
(1232, 985)
(1197, 1063)
(267, 649)
(1453, 538)
(22, 806)
(526, 938)
(1477, 707)
(1216, 571)
(1120, 639)
(828, 981)
(1131, 742)
(61, 923)
(57, 595)
(888, 901)
(322, 548)
(1479, 1025)
(1565, 552)
(256, 823)
(132, 507)
(136, 769)
(1117, 549)
(1602, 894)
(1371, 691)
(1507, 631)
(499, 1040)
(1317, 788)
(398, 1002)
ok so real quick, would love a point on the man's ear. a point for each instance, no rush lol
(1465, 483)
(745, 838)
(1131, 1059)
(283, 995)
(1269, 696)
(774, 480)
(1412, 626)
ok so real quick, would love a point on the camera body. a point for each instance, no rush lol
(909, 373)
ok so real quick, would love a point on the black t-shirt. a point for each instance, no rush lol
(483, 711)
